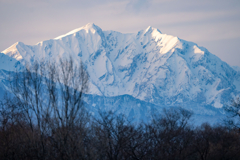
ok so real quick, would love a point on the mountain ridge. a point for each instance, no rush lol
(150, 66)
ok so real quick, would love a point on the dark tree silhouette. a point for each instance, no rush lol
(233, 110)
(44, 118)
(46, 103)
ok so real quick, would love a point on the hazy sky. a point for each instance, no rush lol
(214, 24)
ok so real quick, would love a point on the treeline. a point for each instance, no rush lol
(112, 137)
(43, 118)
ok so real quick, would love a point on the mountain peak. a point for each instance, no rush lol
(11, 48)
(88, 27)
(151, 29)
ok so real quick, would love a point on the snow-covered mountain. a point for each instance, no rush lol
(151, 67)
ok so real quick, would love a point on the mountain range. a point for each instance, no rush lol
(137, 74)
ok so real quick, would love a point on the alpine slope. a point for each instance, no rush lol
(136, 74)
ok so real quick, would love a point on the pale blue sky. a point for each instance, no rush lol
(214, 24)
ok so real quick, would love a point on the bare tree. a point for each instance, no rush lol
(44, 118)
(111, 132)
(49, 98)
(233, 110)
(171, 134)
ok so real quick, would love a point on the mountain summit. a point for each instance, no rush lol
(150, 66)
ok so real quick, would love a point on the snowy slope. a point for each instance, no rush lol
(150, 66)
(8, 63)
